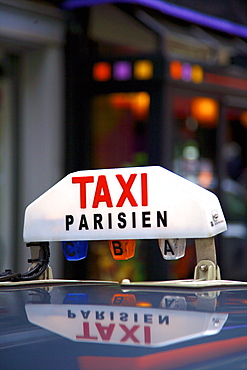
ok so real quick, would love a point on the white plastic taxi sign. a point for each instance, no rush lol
(123, 203)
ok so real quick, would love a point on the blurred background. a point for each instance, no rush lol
(98, 84)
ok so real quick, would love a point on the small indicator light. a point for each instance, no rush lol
(123, 300)
(102, 71)
(143, 69)
(176, 70)
(186, 72)
(122, 249)
(172, 249)
(122, 71)
(76, 298)
(197, 74)
(173, 302)
(75, 250)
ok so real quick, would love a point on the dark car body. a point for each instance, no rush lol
(93, 325)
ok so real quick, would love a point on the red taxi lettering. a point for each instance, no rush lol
(106, 332)
(86, 332)
(144, 189)
(102, 191)
(102, 186)
(83, 180)
(126, 190)
(129, 333)
(147, 334)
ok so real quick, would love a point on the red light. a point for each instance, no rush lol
(176, 70)
(101, 71)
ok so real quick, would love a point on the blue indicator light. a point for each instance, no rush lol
(76, 298)
(75, 250)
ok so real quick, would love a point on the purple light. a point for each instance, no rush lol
(173, 10)
(122, 70)
(186, 72)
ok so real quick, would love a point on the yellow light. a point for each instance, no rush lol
(101, 71)
(143, 70)
(176, 70)
(197, 74)
(205, 110)
(140, 104)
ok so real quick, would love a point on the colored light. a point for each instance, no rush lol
(176, 70)
(143, 69)
(243, 119)
(120, 100)
(186, 72)
(122, 71)
(102, 71)
(144, 304)
(123, 300)
(205, 178)
(197, 74)
(140, 104)
(75, 250)
(122, 249)
(205, 110)
(76, 298)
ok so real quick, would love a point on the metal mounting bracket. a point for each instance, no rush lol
(206, 268)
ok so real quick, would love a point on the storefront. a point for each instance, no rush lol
(175, 99)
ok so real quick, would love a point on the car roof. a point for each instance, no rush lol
(91, 325)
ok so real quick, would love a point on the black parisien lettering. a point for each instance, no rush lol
(146, 219)
(121, 217)
(69, 220)
(83, 223)
(97, 221)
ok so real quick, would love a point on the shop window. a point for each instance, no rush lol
(120, 129)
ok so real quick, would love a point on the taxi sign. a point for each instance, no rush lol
(123, 203)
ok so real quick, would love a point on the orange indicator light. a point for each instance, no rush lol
(123, 300)
(176, 70)
(101, 71)
(122, 249)
(143, 69)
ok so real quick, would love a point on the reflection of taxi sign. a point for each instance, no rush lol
(124, 325)
(123, 203)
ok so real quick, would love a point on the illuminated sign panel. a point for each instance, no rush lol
(186, 72)
(123, 70)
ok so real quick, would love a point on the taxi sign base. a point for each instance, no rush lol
(183, 284)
